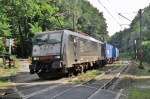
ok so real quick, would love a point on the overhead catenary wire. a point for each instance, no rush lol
(114, 9)
(132, 12)
(124, 17)
(121, 14)
(108, 12)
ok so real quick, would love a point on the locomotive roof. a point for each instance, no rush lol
(73, 33)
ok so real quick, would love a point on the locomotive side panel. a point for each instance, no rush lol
(71, 50)
(101, 52)
(81, 49)
(88, 50)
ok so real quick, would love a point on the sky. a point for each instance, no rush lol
(127, 8)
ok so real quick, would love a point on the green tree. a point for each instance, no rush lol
(28, 16)
(21, 19)
(80, 15)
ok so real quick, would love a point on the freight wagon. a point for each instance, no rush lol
(108, 48)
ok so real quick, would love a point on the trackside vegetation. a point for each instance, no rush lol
(146, 50)
(86, 76)
(21, 19)
(5, 74)
(129, 39)
(93, 73)
(136, 93)
(140, 86)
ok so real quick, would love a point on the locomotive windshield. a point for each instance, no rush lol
(47, 44)
(54, 38)
(41, 38)
(51, 38)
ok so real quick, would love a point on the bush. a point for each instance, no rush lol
(125, 55)
(146, 51)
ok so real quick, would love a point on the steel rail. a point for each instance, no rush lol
(110, 82)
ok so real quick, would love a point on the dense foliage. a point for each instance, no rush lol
(81, 16)
(125, 39)
(146, 48)
(20, 19)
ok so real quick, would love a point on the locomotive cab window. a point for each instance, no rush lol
(40, 39)
(47, 44)
(54, 38)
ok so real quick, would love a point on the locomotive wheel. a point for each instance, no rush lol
(77, 70)
(70, 72)
(75, 73)
(31, 72)
(85, 68)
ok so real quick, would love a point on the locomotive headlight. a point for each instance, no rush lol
(35, 58)
(56, 56)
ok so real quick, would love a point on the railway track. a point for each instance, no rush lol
(110, 82)
(95, 85)
(61, 90)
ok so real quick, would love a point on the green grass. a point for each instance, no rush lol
(135, 93)
(4, 76)
(145, 71)
(86, 76)
(140, 87)
(5, 73)
(4, 82)
(93, 73)
(117, 63)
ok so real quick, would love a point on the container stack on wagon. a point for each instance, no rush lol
(111, 53)
(108, 52)
(117, 54)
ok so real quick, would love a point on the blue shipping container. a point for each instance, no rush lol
(114, 52)
(117, 52)
(108, 50)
